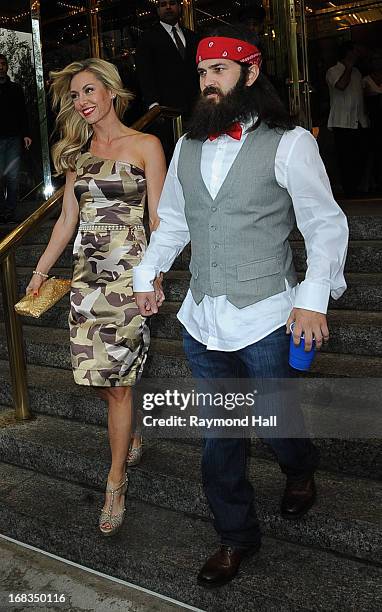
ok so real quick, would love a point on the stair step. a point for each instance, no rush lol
(53, 392)
(169, 477)
(44, 346)
(352, 332)
(363, 256)
(361, 227)
(161, 550)
(54, 575)
(31, 253)
(364, 291)
(361, 206)
(166, 359)
(47, 346)
(358, 333)
(365, 227)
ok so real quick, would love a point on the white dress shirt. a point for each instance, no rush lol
(168, 29)
(346, 106)
(216, 322)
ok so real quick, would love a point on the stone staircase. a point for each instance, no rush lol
(53, 469)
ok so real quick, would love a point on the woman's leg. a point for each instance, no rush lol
(119, 427)
(136, 436)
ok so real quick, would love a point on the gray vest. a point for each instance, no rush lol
(239, 240)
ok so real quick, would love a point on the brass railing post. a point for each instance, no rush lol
(94, 26)
(177, 126)
(294, 80)
(188, 14)
(17, 364)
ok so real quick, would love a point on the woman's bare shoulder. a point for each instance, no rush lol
(150, 143)
(145, 139)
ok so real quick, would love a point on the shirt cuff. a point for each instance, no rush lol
(313, 296)
(143, 277)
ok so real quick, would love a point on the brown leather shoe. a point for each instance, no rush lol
(223, 565)
(299, 496)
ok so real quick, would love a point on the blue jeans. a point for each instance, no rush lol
(224, 462)
(10, 158)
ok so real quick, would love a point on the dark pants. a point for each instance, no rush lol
(10, 157)
(351, 151)
(224, 462)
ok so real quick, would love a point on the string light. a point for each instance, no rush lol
(15, 18)
(72, 9)
(70, 6)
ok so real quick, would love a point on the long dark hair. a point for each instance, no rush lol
(266, 102)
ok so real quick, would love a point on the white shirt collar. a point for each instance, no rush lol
(168, 27)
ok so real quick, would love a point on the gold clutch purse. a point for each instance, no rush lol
(51, 291)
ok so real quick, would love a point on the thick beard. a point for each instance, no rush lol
(210, 117)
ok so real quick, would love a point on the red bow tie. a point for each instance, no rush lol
(235, 131)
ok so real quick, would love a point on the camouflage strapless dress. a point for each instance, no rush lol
(109, 338)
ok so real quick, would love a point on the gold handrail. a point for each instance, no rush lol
(13, 326)
(12, 239)
(26, 195)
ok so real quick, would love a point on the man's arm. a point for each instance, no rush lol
(344, 80)
(339, 76)
(325, 231)
(166, 242)
(146, 72)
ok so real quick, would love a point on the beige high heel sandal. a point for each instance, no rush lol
(135, 454)
(115, 520)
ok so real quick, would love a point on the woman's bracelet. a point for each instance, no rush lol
(38, 273)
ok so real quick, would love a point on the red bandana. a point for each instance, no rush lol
(235, 131)
(215, 47)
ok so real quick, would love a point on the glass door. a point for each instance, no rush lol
(287, 48)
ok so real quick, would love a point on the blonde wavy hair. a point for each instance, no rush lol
(74, 132)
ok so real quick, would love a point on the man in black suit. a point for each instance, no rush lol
(165, 61)
(14, 135)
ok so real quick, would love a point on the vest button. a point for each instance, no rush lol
(214, 209)
(213, 227)
(214, 264)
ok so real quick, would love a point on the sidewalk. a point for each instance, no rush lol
(26, 571)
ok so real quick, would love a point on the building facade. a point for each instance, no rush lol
(298, 38)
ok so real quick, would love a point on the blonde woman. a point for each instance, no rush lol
(109, 170)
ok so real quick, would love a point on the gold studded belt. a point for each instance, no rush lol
(105, 227)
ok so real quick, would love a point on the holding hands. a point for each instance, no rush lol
(148, 302)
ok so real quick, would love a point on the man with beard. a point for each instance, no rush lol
(235, 185)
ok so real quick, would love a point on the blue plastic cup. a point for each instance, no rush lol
(299, 358)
